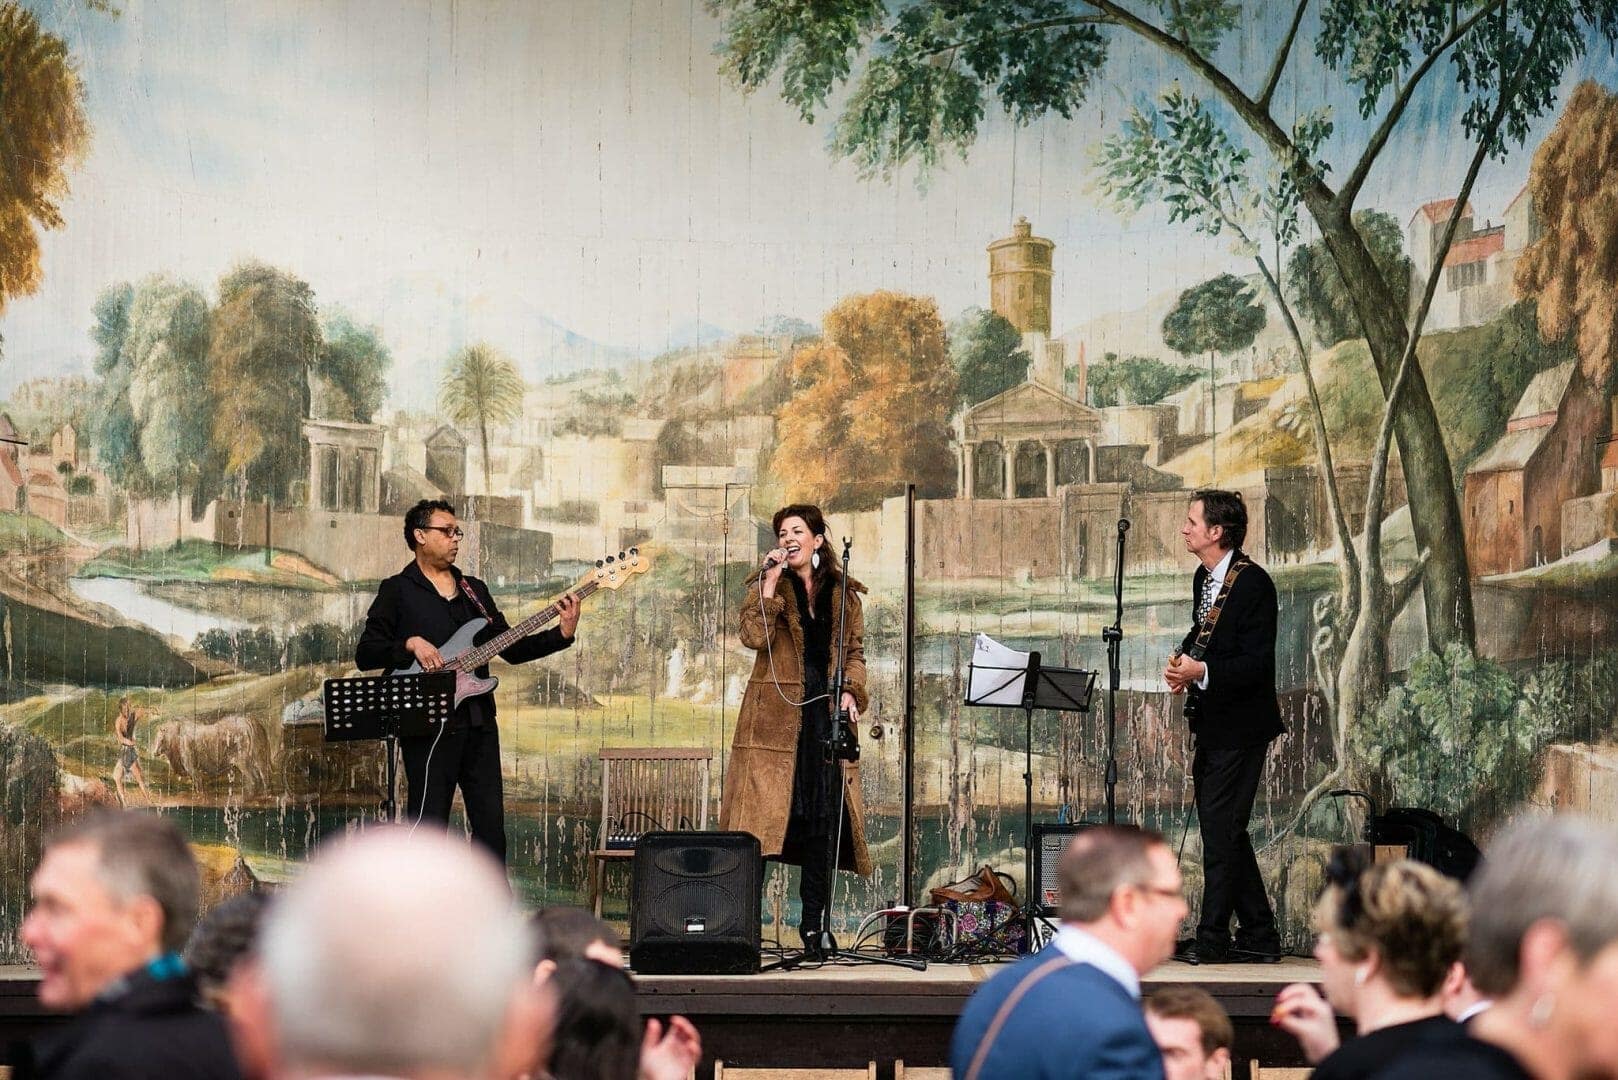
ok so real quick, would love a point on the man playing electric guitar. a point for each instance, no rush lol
(1227, 666)
(416, 611)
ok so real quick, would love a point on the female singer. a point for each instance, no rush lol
(778, 785)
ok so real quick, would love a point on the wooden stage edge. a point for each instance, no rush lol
(846, 1015)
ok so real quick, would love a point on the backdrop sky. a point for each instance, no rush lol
(515, 171)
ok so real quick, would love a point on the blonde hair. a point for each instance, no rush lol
(1410, 915)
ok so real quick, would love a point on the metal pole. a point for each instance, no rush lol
(907, 818)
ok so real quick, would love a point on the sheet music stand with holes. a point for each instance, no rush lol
(1029, 688)
(386, 707)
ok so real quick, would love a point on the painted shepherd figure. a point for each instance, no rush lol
(776, 786)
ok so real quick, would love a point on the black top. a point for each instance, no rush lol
(814, 805)
(148, 1029)
(407, 605)
(1471, 1058)
(1239, 708)
(1365, 1056)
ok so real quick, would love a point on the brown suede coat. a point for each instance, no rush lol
(758, 780)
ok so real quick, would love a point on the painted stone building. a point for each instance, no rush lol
(1516, 489)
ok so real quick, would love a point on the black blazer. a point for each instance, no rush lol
(152, 1030)
(1239, 708)
(407, 605)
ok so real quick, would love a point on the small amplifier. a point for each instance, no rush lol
(1049, 843)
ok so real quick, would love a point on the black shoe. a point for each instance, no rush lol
(1253, 956)
(1192, 951)
(816, 943)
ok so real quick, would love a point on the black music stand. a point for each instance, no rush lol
(386, 707)
(1029, 688)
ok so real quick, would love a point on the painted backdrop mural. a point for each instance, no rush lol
(610, 274)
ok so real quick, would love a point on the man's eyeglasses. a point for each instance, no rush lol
(1161, 891)
(454, 532)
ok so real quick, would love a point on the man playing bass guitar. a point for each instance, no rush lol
(414, 612)
(1226, 665)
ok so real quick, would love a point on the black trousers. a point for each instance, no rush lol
(466, 757)
(1226, 783)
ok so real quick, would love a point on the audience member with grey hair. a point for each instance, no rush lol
(114, 898)
(394, 956)
(1543, 943)
(1073, 1010)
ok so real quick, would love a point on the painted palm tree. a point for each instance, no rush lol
(481, 386)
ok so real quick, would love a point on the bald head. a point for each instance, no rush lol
(394, 955)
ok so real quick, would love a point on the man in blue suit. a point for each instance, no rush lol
(1073, 1009)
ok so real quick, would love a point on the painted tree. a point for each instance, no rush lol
(481, 387)
(1177, 154)
(926, 72)
(1568, 269)
(350, 372)
(870, 406)
(116, 434)
(42, 117)
(264, 345)
(1322, 294)
(1217, 318)
(987, 353)
(167, 350)
(1135, 380)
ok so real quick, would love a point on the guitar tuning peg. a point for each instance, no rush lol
(610, 560)
(634, 551)
(599, 564)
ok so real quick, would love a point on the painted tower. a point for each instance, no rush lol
(1020, 279)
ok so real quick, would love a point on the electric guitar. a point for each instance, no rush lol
(1198, 648)
(464, 654)
(1192, 691)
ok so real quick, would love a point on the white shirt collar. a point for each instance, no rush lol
(1217, 574)
(1083, 947)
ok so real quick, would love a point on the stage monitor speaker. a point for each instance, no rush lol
(1049, 842)
(694, 901)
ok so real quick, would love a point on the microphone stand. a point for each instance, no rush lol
(1114, 637)
(841, 745)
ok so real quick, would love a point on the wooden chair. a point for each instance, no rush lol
(720, 1072)
(1280, 1072)
(933, 1072)
(644, 788)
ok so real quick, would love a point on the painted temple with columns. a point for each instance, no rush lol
(1034, 438)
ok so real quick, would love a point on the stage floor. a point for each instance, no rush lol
(847, 1014)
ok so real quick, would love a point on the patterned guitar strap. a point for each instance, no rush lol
(1205, 631)
(472, 595)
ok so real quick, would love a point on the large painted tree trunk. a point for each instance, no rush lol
(1435, 508)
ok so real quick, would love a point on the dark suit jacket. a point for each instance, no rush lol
(407, 605)
(152, 1030)
(1077, 1023)
(1239, 708)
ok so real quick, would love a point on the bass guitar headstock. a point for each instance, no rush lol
(613, 570)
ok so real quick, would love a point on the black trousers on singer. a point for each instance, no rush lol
(466, 757)
(1226, 784)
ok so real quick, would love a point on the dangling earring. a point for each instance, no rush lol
(1540, 1015)
(814, 561)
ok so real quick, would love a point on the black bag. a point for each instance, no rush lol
(1428, 839)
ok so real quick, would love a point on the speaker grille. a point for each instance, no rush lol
(694, 902)
(1049, 841)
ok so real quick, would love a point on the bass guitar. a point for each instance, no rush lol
(463, 653)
